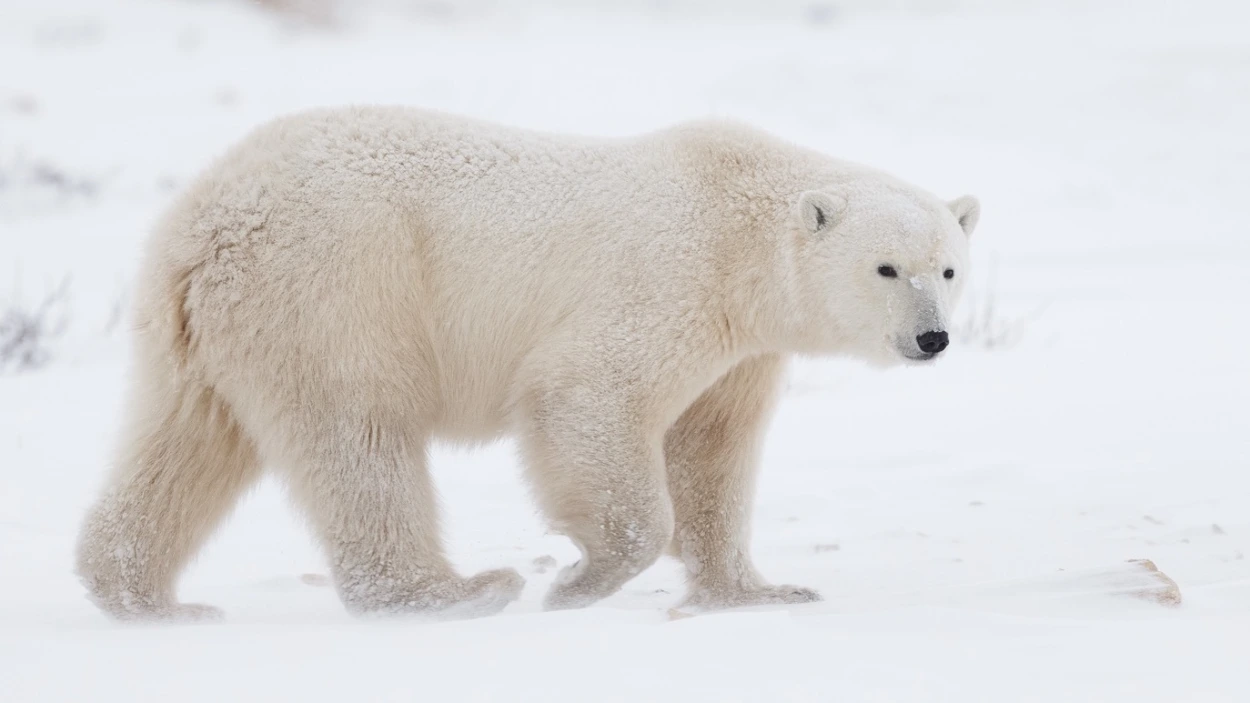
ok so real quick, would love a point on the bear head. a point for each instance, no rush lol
(880, 266)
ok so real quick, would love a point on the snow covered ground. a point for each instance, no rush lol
(967, 523)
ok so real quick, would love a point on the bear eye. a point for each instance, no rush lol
(887, 271)
(948, 274)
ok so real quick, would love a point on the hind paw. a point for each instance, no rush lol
(707, 599)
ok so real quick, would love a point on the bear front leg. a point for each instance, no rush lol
(598, 474)
(712, 453)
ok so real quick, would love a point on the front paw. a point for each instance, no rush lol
(719, 598)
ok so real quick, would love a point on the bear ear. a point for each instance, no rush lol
(818, 211)
(967, 210)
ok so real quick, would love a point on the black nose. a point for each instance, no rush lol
(932, 342)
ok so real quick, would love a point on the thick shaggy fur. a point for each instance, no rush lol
(347, 285)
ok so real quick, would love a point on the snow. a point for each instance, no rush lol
(969, 524)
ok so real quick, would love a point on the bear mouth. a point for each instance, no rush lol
(922, 356)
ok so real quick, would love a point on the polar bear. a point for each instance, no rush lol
(346, 285)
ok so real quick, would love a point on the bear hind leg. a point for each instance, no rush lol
(374, 509)
(183, 467)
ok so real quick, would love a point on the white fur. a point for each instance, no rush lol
(346, 285)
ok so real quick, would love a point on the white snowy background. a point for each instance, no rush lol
(968, 523)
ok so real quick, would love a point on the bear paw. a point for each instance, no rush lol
(190, 612)
(488, 593)
(145, 610)
(484, 594)
(706, 599)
